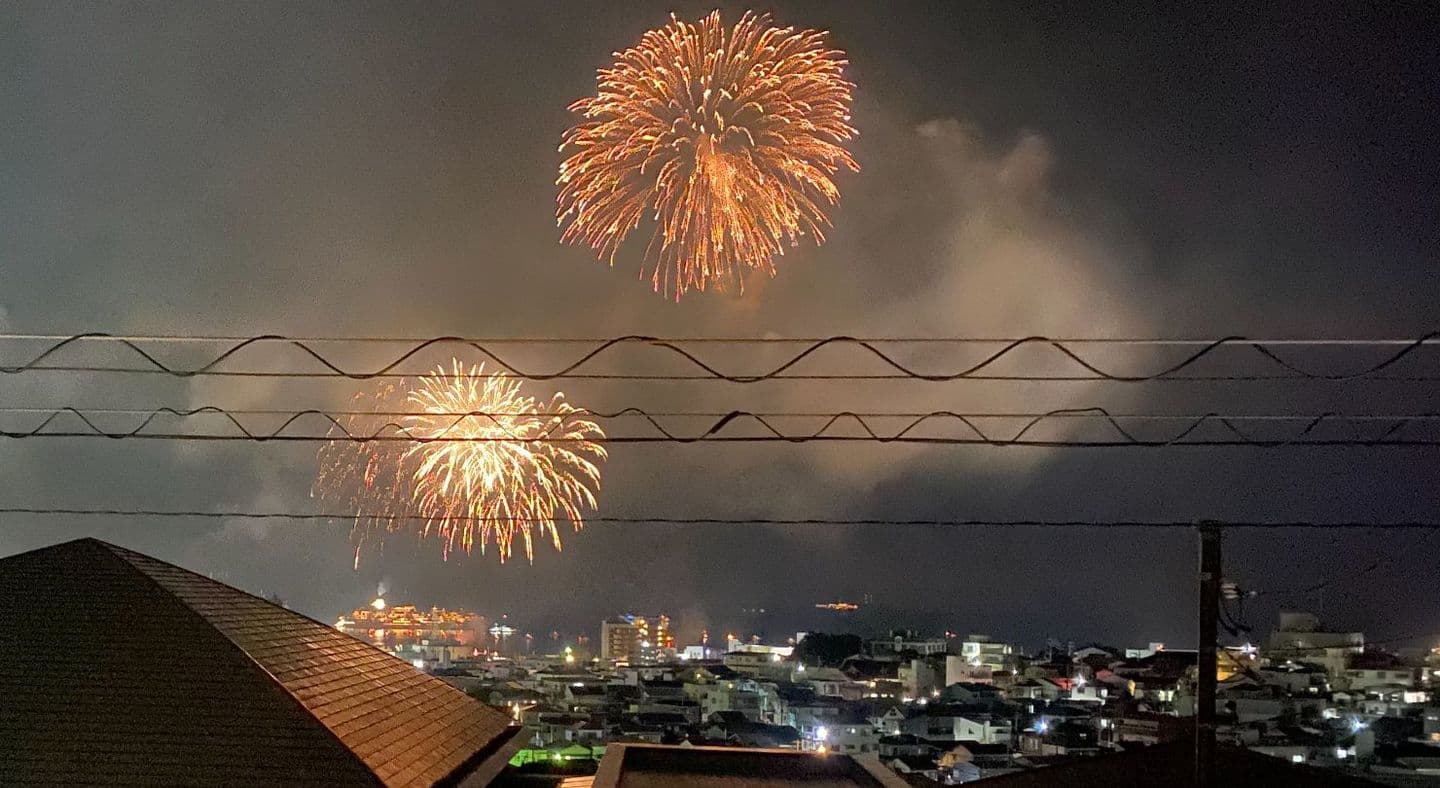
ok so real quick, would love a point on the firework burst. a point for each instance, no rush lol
(729, 138)
(478, 470)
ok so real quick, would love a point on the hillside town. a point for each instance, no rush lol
(945, 709)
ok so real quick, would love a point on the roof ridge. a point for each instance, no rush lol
(119, 552)
(57, 545)
(317, 622)
(219, 603)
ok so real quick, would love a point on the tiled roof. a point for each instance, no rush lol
(119, 668)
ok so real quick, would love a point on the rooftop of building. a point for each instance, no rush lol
(653, 766)
(246, 691)
(1174, 765)
(915, 763)
(1377, 660)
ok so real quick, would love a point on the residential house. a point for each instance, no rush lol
(1140, 727)
(958, 670)
(1299, 637)
(1096, 654)
(906, 744)
(733, 728)
(579, 695)
(967, 692)
(1375, 670)
(907, 641)
(920, 765)
(831, 682)
(970, 761)
(1060, 737)
(767, 665)
(919, 678)
(960, 724)
(553, 727)
(813, 714)
(1034, 689)
(1295, 678)
(866, 669)
(982, 651)
(1245, 702)
(888, 720)
(850, 736)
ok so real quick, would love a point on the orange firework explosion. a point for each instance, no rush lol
(487, 462)
(729, 138)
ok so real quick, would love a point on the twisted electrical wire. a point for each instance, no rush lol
(239, 514)
(336, 429)
(708, 371)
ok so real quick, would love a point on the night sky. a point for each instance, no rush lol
(376, 169)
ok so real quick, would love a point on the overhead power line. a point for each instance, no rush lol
(1301, 429)
(690, 340)
(645, 413)
(1062, 350)
(662, 378)
(1300, 651)
(1350, 574)
(1429, 637)
(668, 520)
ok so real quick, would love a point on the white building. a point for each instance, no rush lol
(1089, 692)
(958, 671)
(851, 738)
(759, 664)
(811, 718)
(699, 653)
(830, 682)
(919, 679)
(1377, 679)
(1300, 638)
(909, 641)
(951, 727)
(1141, 653)
(889, 722)
(980, 650)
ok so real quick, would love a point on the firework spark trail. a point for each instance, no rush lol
(729, 139)
(450, 484)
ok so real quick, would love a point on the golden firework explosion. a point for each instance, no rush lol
(480, 461)
(729, 138)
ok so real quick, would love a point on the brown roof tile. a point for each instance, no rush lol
(123, 669)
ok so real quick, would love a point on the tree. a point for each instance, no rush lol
(826, 650)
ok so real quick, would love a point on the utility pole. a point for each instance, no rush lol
(1205, 663)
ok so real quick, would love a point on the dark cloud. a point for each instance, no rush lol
(222, 169)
